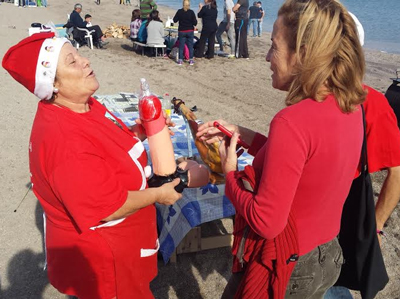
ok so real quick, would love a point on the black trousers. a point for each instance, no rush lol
(241, 50)
(97, 34)
(206, 35)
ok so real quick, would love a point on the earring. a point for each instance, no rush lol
(55, 90)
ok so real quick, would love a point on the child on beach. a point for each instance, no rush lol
(88, 20)
(136, 22)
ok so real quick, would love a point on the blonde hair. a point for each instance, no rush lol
(330, 59)
(186, 5)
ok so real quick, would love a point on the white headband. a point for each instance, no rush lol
(46, 67)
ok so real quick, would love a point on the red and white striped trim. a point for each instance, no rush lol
(135, 152)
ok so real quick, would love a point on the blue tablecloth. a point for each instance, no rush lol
(198, 205)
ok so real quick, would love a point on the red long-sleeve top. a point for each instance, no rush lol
(306, 165)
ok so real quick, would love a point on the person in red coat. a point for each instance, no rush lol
(304, 169)
(89, 171)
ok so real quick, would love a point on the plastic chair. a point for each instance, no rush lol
(87, 36)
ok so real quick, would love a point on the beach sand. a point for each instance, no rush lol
(237, 90)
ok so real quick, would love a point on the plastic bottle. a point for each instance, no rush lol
(168, 22)
(151, 110)
(166, 103)
(161, 149)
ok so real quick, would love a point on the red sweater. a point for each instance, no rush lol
(306, 166)
(268, 264)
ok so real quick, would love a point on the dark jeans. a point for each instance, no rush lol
(241, 39)
(97, 34)
(206, 35)
(221, 29)
(338, 293)
(314, 273)
(230, 32)
(186, 38)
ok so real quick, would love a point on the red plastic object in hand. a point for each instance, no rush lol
(229, 134)
(149, 108)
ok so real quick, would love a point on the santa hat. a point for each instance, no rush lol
(33, 62)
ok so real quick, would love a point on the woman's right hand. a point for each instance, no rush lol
(208, 133)
(167, 194)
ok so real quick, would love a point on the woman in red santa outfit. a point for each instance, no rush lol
(89, 173)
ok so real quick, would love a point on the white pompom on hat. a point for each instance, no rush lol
(33, 62)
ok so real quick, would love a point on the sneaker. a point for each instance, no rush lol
(191, 62)
(180, 62)
(231, 56)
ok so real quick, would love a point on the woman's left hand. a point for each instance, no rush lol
(169, 122)
(227, 152)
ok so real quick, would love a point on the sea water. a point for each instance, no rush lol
(380, 19)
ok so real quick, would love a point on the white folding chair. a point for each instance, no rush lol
(88, 36)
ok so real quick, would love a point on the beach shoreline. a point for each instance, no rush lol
(237, 90)
(379, 35)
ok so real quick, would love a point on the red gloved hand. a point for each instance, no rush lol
(149, 108)
(150, 113)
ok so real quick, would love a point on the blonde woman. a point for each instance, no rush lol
(187, 22)
(301, 174)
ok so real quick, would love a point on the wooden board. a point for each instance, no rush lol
(193, 242)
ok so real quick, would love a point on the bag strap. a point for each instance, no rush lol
(364, 155)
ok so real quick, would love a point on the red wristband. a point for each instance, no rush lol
(154, 126)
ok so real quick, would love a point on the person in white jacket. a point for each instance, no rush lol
(155, 29)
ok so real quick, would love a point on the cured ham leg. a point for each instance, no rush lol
(209, 153)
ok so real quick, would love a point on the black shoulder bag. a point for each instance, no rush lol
(364, 268)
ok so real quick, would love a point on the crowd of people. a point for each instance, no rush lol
(26, 3)
(147, 27)
(235, 23)
(89, 171)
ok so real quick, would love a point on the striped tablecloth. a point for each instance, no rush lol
(198, 205)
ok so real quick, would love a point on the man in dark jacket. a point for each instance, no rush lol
(76, 21)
